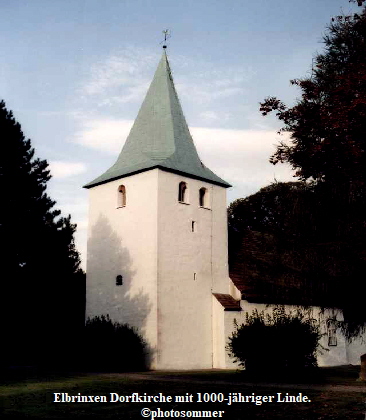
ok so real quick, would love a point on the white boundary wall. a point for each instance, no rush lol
(342, 354)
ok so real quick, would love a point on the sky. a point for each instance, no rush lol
(75, 72)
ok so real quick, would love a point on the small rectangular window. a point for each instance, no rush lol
(193, 226)
(332, 332)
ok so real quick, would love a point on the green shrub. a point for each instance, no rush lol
(280, 342)
(110, 346)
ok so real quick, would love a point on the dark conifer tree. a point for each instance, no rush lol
(42, 284)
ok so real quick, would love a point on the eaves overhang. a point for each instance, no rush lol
(182, 173)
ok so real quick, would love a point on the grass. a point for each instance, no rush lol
(32, 397)
(339, 375)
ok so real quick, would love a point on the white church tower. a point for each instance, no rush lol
(157, 243)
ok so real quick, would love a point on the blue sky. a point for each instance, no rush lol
(75, 73)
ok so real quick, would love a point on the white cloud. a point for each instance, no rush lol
(78, 207)
(116, 70)
(205, 92)
(81, 241)
(63, 169)
(211, 85)
(241, 156)
(122, 77)
(132, 94)
(233, 141)
(82, 224)
(213, 116)
(106, 135)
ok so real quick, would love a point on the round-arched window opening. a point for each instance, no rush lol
(203, 197)
(119, 280)
(121, 200)
(182, 192)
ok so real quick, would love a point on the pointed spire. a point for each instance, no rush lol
(159, 137)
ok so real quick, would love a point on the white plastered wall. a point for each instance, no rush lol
(191, 265)
(169, 272)
(218, 335)
(355, 349)
(123, 241)
(341, 354)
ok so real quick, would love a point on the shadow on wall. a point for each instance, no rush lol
(108, 259)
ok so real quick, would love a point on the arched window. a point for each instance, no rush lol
(119, 280)
(182, 192)
(121, 201)
(203, 197)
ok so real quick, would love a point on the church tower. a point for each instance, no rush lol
(157, 241)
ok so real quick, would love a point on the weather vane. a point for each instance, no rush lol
(166, 37)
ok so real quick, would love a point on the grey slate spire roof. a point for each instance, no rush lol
(159, 137)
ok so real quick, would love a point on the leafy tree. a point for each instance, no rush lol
(279, 343)
(111, 346)
(328, 123)
(279, 207)
(42, 284)
(327, 147)
(359, 2)
(274, 252)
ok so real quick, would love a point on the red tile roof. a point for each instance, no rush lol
(228, 302)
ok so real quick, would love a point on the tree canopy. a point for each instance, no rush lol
(328, 123)
(327, 148)
(42, 283)
(359, 2)
(275, 255)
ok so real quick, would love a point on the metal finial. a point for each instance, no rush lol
(167, 35)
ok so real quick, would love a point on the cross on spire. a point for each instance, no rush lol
(167, 35)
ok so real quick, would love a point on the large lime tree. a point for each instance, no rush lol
(327, 148)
